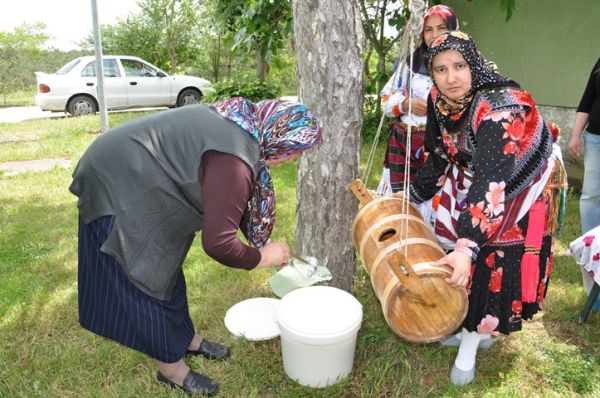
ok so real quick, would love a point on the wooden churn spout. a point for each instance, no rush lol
(398, 249)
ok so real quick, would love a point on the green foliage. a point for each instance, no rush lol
(21, 98)
(253, 90)
(261, 27)
(282, 71)
(509, 6)
(380, 41)
(162, 33)
(133, 36)
(17, 49)
(371, 118)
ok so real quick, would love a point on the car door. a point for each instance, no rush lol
(145, 86)
(115, 89)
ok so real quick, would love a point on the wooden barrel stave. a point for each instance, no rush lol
(377, 234)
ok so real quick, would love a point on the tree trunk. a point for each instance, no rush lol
(329, 46)
(261, 67)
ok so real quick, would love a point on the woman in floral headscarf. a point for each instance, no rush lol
(395, 100)
(492, 155)
(146, 187)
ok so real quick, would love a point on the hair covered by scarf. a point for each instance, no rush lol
(419, 55)
(483, 75)
(446, 13)
(281, 128)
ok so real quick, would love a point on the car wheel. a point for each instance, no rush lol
(189, 96)
(82, 105)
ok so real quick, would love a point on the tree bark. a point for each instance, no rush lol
(329, 46)
(261, 66)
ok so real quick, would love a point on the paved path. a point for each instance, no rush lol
(14, 168)
(17, 114)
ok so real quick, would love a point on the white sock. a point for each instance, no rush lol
(465, 360)
(483, 336)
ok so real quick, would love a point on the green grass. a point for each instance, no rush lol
(19, 98)
(44, 351)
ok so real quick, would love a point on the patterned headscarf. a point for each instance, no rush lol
(282, 128)
(444, 12)
(482, 75)
(419, 55)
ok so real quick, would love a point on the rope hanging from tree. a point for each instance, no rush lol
(410, 35)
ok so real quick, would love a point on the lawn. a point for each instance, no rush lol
(44, 351)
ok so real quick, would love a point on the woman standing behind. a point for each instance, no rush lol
(585, 140)
(395, 96)
(491, 154)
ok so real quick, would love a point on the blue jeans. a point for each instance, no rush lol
(589, 203)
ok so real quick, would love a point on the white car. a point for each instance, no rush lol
(129, 82)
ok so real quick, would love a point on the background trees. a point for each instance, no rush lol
(19, 48)
(261, 27)
(163, 33)
(232, 40)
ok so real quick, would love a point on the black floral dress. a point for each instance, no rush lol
(490, 172)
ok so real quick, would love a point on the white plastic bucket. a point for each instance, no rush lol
(318, 328)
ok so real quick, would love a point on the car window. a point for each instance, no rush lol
(111, 69)
(134, 68)
(89, 70)
(65, 69)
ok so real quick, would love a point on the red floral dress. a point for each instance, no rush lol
(485, 170)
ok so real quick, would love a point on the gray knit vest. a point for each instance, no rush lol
(145, 173)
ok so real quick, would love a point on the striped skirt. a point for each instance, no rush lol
(112, 307)
(395, 156)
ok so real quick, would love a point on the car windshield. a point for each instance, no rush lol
(65, 69)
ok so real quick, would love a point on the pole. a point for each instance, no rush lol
(99, 69)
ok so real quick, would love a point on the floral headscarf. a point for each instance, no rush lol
(444, 12)
(483, 75)
(419, 55)
(282, 128)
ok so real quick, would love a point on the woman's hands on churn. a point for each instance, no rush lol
(461, 263)
(274, 254)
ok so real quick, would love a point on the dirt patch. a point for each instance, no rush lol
(5, 139)
(14, 168)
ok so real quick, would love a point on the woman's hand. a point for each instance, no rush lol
(274, 254)
(419, 106)
(461, 263)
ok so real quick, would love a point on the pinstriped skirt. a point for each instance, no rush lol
(112, 307)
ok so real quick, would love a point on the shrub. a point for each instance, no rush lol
(371, 118)
(252, 90)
